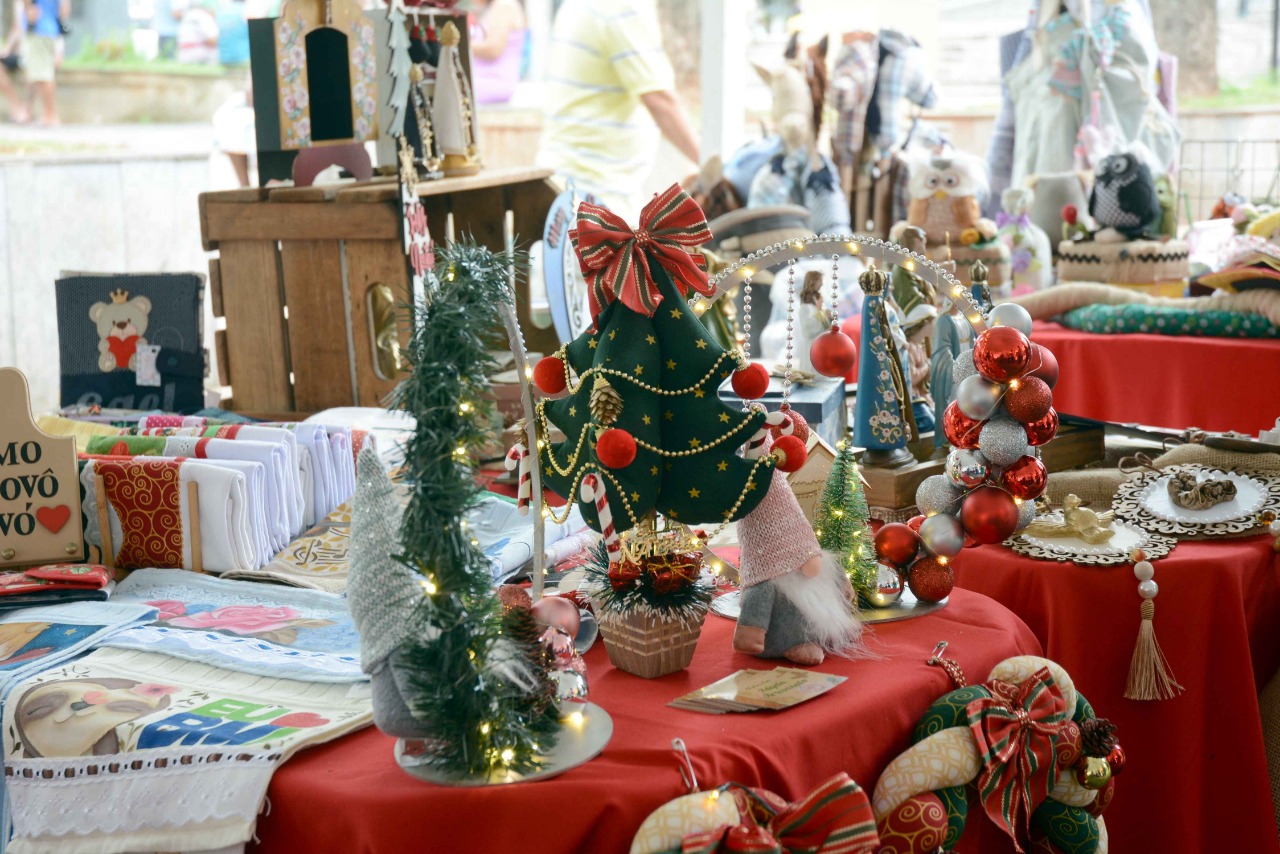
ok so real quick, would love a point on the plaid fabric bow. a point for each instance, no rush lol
(835, 818)
(1015, 729)
(615, 259)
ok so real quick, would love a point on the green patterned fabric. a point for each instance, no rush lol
(1070, 829)
(1083, 709)
(955, 799)
(948, 711)
(133, 446)
(1167, 320)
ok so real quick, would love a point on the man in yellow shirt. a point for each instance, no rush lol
(610, 92)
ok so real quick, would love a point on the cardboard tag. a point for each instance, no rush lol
(39, 485)
(147, 372)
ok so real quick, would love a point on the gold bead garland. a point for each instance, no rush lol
(573, 388)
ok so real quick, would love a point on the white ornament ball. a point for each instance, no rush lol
(1026, 514)
(1003, 441)
(963, 367)
(942, 535)
(1275, 527)
(936, 494)
(1148, 589)
(1012, 315)
(978, 397)
(1143, 570)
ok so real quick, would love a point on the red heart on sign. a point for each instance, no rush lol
(300, 719)
(53, 518)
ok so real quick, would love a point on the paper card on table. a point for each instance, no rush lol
(754, 690)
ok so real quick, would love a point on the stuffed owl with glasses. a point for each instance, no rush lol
(946, 199)
(1124, 198)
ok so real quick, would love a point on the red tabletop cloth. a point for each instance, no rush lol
(349, 796)
(1165, 380)
(1196, 778)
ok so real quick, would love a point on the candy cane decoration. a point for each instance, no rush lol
(519, 456)
(779, 419)
(593, 490)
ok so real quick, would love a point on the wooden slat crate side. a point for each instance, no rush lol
(300, 221)
(257, 352)
(215, 287)
(220, 353)
(370, 263)
(317, 323)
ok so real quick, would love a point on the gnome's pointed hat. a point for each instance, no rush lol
(776, 537)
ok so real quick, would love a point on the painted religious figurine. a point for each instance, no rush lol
(914, 305)
(882, 419)
(453, 113)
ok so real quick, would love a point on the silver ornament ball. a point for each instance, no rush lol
(890, 582)
(965, 467)
(978, 397)
(936, 494)
(1002, 441)
(942, 535)
(1026, 514)
(963, 367)
(1012, 315)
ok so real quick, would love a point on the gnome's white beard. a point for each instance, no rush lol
(825, 604)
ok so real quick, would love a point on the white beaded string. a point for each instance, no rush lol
(746, 328)
(835, 291)
(791, 335)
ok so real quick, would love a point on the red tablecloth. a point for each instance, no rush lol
(1165, 380)
(349, 796)
(1197, 775)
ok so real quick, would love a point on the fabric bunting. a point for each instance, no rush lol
(615, 260)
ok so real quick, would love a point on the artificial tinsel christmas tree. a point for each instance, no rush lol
(843, 525)
(449, 672)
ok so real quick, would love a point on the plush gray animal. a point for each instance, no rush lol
(1124, 197)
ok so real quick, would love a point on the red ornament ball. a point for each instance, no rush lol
(791, 452)
(970, 542)
(1002, 353)
(960, 430)
(1070, 214)
(989, 514)
(930, 580)
(548, 374)
(799, 426)
(1044, 365)
(1028, 400)
(896, 544)
(1025, 478)
(514, 596)
(1040, 431)
(616, 448)
(559, 612)
(750, 382)
(833, 353)
(1116, 760)
(915, 522)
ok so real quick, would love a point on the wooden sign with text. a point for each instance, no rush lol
(39, 484)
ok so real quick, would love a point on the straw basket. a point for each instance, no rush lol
(647, 644)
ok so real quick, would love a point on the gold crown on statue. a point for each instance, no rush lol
(119, 296)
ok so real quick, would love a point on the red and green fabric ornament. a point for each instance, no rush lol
(751, 381)
(791, 453)
(616, 448)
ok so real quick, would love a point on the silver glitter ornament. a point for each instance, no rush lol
(936, 494)
(1012, 315)
(978, 397)
(1026, 514)
(963, 367)
(942, 535)
(1002, 441)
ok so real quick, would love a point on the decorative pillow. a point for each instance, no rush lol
(1164, 320)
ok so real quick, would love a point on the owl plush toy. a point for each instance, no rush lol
(1124, 199)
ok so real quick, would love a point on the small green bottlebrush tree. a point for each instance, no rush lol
(843, 523)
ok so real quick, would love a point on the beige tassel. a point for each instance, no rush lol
(1149, 675)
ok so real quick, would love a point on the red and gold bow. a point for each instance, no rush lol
(615, 259)
(835, 818)
(1016, 729)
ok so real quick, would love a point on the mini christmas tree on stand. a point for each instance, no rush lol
(842, 524)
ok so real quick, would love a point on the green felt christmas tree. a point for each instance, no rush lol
(654, 378)
(843, 525)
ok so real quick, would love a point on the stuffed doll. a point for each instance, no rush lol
(1030, 254)
(1124, 201)
(797, 603)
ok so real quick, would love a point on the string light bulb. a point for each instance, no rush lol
(484, 728)
(460, 451)
(507, 755)
(464, 408)
(429, 586)
(576, 719)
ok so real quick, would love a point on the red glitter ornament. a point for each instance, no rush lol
(989, 514)
(1040, 431)
(1002, 353)
(1028, 399)
(548, 375)
(1025, 478)
(896, 544)
(750, 382)
(833, 353)
(616, 448)
(799, 426)
(930, 580)
(792, 453)
(1044, 365)
(960, 430)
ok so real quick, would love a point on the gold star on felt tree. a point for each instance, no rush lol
(671, 364)
(613, 333)
(675, 313)
(694, 493)
(697, 392)
(573, 410)
(724, 375)
(651, 340)
(751, 485)
(653, 470)
(647, 420)
(635, 496)
(668, 415)
(700, 344)
(724, 416)
(591, 342)
(722, 466)
(639, 370)
(695, 442)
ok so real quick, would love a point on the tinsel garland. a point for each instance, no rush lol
(482, 722)
(842, 523)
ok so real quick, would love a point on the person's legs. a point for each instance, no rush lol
(40, 62)
(17, 111)
(48, 103)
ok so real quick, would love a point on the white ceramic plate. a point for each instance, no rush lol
(1250, 496)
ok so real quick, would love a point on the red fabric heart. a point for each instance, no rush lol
(300, 719)
(53, 518)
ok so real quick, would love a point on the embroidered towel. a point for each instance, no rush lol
(33, 639)
(151, 522)
(317, 559)
(260, 629)
(136, 751)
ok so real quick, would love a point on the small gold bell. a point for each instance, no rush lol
(1094, 774)
(8, 554)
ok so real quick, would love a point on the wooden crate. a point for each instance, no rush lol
(296, 266)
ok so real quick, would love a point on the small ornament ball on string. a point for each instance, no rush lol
(751, 380)
(833, 353)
